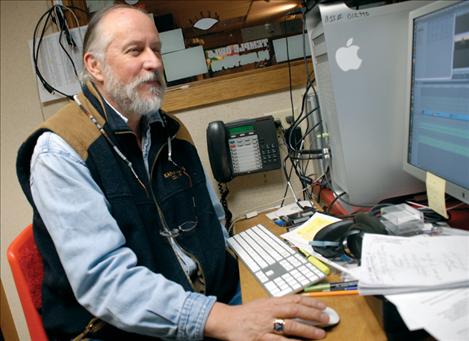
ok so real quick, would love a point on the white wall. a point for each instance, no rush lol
(21, 111)
(251, 191)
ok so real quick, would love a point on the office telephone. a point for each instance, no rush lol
(242, 147)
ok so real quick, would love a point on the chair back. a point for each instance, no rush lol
(27, 268)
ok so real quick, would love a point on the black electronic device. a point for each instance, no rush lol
(295, 219)
(345, 237)
(242, 147)
(164, 22)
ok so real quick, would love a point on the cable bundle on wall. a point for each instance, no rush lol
(297, 154)
(55, 14)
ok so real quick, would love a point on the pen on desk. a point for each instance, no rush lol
(330, 293)
(316, 262)
(335, 286)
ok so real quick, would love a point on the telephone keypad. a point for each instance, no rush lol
(245, 153)
(248, 153)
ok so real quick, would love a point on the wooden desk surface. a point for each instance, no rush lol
(360, 317)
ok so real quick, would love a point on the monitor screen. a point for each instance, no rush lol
(438, 95)
(184, 63)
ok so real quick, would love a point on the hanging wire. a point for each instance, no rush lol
(55, 14)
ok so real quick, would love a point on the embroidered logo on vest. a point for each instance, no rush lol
(173, 174)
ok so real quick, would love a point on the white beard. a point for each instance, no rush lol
(128, 99)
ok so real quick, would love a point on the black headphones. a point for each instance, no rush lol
(346, 236)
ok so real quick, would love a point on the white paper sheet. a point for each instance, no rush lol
(54, 65)
(443, 313)
(393, 264)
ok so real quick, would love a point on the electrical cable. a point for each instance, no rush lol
(431, 216)
(73, 42)
(304, 180)
(46, 85)
(298, 156)
(223, 189)
(300, 119)
(334, 201)
(35, 57)
(457, 206)
(288, 179)
(68, 55)
(314, 151)
(62, 25)
(54, 14)
(305, 61)
(289, 67)
(259, 209)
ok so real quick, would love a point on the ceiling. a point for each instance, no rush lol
(232, 14)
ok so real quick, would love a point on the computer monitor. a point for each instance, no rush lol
(437, 111)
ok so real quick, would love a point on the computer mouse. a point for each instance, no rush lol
(334, 318)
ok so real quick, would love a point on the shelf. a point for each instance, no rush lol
(235, 86)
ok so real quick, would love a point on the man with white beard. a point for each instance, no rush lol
(124, 218)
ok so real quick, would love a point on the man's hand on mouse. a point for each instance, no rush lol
(267, 319)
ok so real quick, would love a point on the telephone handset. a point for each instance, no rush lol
(242, 147)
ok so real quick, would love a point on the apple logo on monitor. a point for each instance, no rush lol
(347, 56)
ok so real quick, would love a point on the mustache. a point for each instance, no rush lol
(149, 77)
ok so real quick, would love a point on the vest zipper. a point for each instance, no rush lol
(163, 220)
(160, 212)
(166, 227)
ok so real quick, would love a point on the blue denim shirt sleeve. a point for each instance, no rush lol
(102, 271)
(218, 208)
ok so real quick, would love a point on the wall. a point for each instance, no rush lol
(21, 111)
(254, 191)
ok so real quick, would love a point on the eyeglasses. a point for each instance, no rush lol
(186, 226)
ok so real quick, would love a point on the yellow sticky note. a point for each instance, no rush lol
(308, 230)
(436, 194)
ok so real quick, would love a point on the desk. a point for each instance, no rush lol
(360, 316)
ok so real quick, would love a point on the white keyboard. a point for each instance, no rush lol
(276, 265)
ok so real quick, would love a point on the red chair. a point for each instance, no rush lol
(27, 268)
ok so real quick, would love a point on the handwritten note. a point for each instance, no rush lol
(343, 17)
(436, 194)
(393, 264)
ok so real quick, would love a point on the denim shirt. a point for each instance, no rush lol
(77, 217)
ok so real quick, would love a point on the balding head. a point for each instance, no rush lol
(122, 57)
(96, 39)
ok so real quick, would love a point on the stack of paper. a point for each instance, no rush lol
(391, 264)
(442, 313)
(413, 267)
(427, 279)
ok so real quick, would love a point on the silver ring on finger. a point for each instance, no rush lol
(279, 325)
